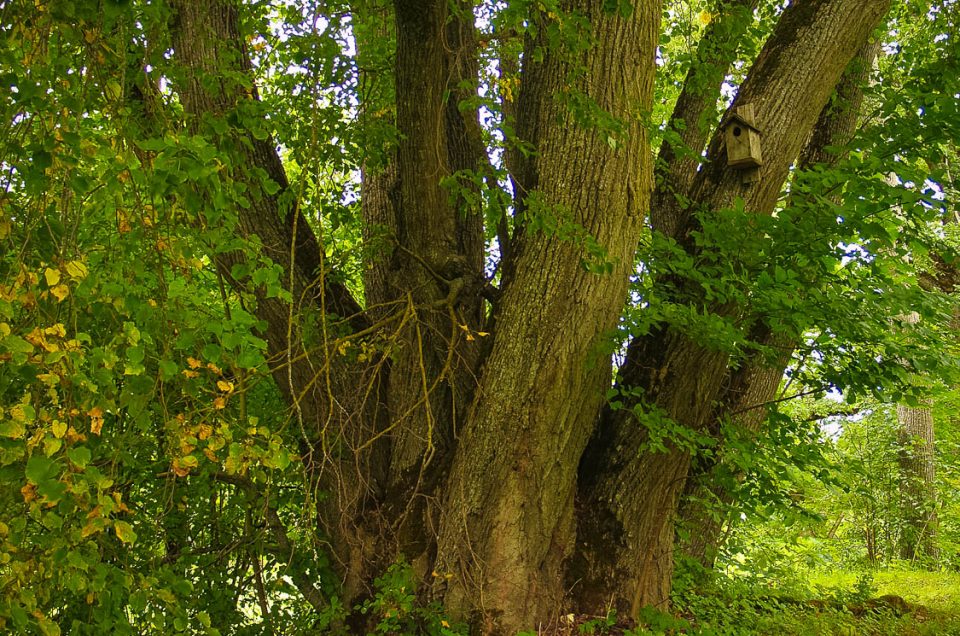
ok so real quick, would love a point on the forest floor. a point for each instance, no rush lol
(890, 602)
(898, 602)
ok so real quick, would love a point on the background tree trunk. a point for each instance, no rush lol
(917, 458)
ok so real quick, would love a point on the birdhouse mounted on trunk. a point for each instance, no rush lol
(743, 140)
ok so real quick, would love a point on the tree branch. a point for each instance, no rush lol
(284, 550)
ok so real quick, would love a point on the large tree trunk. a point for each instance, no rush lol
(508, 514)
(435, 274)
(628, 497)
(918, 495)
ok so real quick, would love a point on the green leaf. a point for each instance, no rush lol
(41, 469)
(168, 369)
(48, 627)
(80, 456)
(16, 344)
(124, 531)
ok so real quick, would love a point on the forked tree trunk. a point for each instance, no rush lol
(465, 460)
(628, 496)
(918, 494)
(753, 384)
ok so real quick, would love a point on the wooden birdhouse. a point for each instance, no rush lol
(742, 138)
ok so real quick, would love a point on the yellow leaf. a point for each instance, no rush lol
(219, 403)
(52, 276)
(48, 378)
(14, 429)
(22, 413)
(182, 465)
(124, 531)
(61, 292)
(90, 528)
(205, 431)
(96, 419)
(122, 507)
(4, 329)
(226, 387)
(56, 330)
(705, 17)
(51, 445)
(193, 363)
(76, 269)
(59, 429)
(214, 368)
(190, 374)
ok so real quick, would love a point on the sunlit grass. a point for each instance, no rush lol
(828, 602)
(938, 591)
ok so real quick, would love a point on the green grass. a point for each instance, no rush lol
(824, 603)
(938, 591)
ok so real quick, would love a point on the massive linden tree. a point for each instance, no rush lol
(326, 314)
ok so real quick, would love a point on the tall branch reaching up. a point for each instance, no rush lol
(679, 155)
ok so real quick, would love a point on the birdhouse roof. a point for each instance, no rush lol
(739, 119)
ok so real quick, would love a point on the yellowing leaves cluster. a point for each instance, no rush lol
(96, 419)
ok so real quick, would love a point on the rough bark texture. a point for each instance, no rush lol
(508, 522)
(434, 274)
(918, 538)
(628, 496)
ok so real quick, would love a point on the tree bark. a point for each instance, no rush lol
(508, 514)
(627, 496)
(918, 495)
